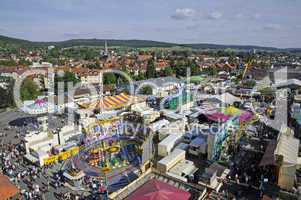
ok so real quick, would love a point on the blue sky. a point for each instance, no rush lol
(256, 22)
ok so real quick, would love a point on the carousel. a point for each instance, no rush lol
(108, 154)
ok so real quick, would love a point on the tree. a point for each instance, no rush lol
(181, 69)
(109, 78)
(249, 83)
(24, 62)
(7, 99)
(29, 90)
(211, 71)
(195, 69)
(147, 90)
(167, 71)
(150, 69)
(68, 77)
(8, 63)
(140, 76)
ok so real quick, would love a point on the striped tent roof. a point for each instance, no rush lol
(109, 102)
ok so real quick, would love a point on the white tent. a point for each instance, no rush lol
(287, 148)
(227, 98)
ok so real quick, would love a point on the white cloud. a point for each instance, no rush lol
(215, 15)
(183, 13)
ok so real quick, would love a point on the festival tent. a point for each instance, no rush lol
(109, 102)
(245, 117)
(231, 110)
(228, 98)
(155, 189)
(38, 106)
(7, 189)
(218, 117)
(287, 151)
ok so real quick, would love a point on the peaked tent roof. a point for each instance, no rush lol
(109, 102)
(218, 116)
(288, 147)
(269, 157)
(229, 98)
(155, 189)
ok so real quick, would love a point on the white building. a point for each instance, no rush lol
(183, 170)
(161, 87)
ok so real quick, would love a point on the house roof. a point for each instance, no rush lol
(290, 83)
(160, 81)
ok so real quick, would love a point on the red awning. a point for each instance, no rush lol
(155, 189)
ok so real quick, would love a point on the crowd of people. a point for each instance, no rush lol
(34, 182)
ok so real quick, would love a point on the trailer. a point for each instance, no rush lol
(176, 156)
(166, 145)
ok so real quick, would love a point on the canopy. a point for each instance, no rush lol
(231, 110)
(40, 105)
(41, 102)
(109, 102)
(228, 98)
(218, 117)
(154, 189)
(245, 117)
(7, 189)
(288, 147)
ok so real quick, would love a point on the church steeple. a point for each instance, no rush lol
(106, 52)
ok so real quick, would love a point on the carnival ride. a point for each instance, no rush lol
(39, 106)
(108, 102)
(108, 153)
(172, 102)
(232, 128)
(113, 159)
(248, 66)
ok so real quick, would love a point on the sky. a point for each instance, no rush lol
(275, 23)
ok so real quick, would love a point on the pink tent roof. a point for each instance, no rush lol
(218, 116)
(157, 190)
(40, 102)
(246, 116)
